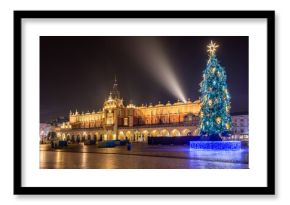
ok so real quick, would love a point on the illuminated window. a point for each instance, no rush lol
(109, 121)
(126, 121)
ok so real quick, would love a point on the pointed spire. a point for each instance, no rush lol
(110, 95)
(115, 93)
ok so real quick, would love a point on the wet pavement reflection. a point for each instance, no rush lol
(142, 156)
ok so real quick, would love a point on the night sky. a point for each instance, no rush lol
(78, 72)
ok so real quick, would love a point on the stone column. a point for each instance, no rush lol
(115, 128)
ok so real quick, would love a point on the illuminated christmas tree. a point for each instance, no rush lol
(215, 118)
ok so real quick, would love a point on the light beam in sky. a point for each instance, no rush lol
(157, 63)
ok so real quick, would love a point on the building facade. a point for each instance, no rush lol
(118, 121)
(44, 130)
(240, 130)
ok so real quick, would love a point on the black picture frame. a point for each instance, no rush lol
(268, 190)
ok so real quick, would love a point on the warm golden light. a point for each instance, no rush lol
(228, 109)
(228, 126)
(115, 114)
(212, 47)
(226, 91)
(218, 120)
(201, 114)
(210, 102)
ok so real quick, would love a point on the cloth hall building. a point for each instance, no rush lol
(119, 121)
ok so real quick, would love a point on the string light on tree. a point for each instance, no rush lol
(215, 119)
(218, 120)
(210, 103)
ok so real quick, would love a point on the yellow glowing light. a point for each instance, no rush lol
(201, 114)
(228, 109)
(228, 126)
(213, 69)
(210, 102)
(218, 120)
(212, 47)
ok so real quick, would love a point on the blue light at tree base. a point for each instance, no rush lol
(215, 145)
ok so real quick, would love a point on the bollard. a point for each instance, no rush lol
(129, 146)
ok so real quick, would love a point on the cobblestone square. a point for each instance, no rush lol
(141, 156)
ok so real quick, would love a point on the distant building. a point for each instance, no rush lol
(45, 128)
(240, 126)
(118, 121)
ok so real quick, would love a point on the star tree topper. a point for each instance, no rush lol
(212, 47)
